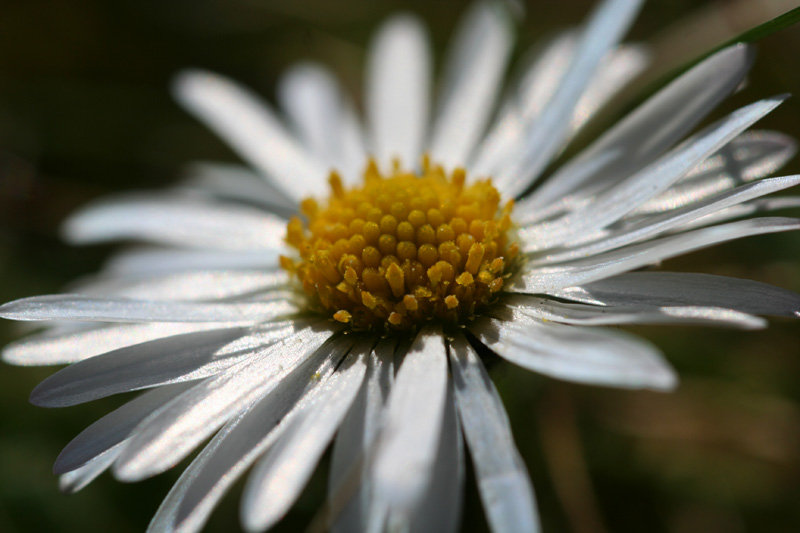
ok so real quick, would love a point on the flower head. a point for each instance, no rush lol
(272, 317)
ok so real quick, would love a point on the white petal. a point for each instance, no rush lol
(653, 225)
(536, 86)
(349, 484)
(75, 480)
(440, 509)
(281, 474)
(237, 445)
(750, 156)
(611, 205)
(155, 260)
(503, 481)
(237, 182)
(544, 139)
(176, 221)
(684, 289)
(654, 126)
(185, 286)
(551, 278)
(113, 428)
(310, 97)
(583, 355)
(760, 205)
(398, 90)
(473, 73)
(166, 437)
(173, 359)
(615, 71)
(410, 436)
(80, 307)
(56, 348)
(597, 315)
(252, 129)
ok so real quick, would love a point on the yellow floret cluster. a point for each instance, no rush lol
(403, 248)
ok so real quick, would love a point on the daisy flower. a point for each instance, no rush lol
(349, 285)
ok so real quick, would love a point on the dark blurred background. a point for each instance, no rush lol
(85, 110)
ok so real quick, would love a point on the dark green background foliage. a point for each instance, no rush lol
(85, 110)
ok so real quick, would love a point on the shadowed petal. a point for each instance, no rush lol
(503, 481)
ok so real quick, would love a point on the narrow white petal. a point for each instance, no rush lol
(279, 476)
(623, 198)
(57, 348)
(237, 182)
(440, 509)
(410, 436)
(660, 122)
(750, 156)
(537, 85)
(113, 428)
(174, 359)
(185, 286)
(584, 355)
(237, 445)
(165, 438)
(760, 205)
(75, 480)
(654, 225)
(606, 27)
(184, 222)
(473, 73)
(349, 483)
(252, 129)
(550, 278)
(597, 315)
(616, 69)
(88, 308)
(398, 90)
(687, 289)
(156, 260)
(310, 97)
(503, 481)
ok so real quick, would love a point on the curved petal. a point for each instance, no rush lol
(174, 359)
(543, 140)
(87, 308)
(398, 90)
(280, 475)
(599, 315)
(112, 429)
(252, 129)
(473, 73)
(662, 120)
(156, 260)
(176, 221)
(613, 204)
(171, 433)
(57, 348)
(409, 439)
(550, 278)
(583, 355)
(185, 286)
(350, 495)
(503, 481)
(683, 288)
(650, 226)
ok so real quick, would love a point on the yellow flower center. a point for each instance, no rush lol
(403, 248)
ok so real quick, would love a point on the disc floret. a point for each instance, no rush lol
(403, 248)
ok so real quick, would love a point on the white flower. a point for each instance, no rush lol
(405, 279)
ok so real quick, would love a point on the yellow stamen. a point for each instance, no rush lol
(403, 248)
